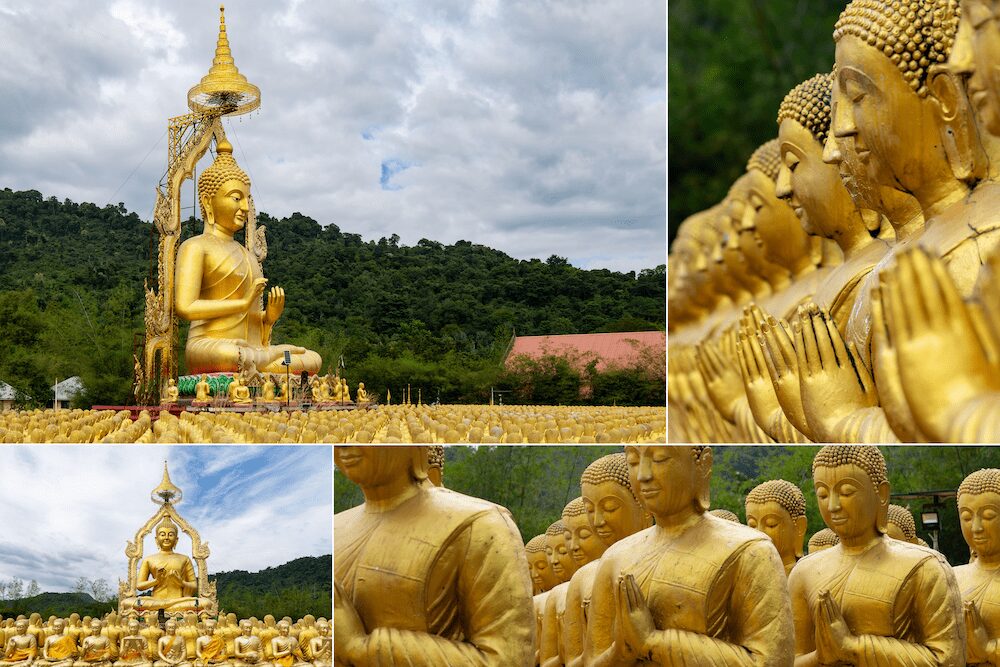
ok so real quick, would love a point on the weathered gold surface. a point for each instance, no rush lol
(424, 575)
(870, 599)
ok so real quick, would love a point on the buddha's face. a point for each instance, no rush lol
(95, 628)
(670, 479)
(980, 516)
(871, 94)
(133, 627)
(542, 576)
(21, 626)
(771, 220)
(170, 627)
(283, 629)
(611, 510)
(848, 500)
(373, 466)
(584, 544)
(976, 54)
(560, 560)
(58, 626)
(323, 628)
(231, 205)
(773, 520)
(246, 627)
(166, 537)
(812, 187)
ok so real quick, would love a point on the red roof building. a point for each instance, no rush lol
(620, 350)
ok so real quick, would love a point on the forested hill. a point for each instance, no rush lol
(71, 278)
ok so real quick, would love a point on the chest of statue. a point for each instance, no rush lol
(983, 588)
(228, 269)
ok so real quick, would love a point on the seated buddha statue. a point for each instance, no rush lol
(170, 575)
(345, 391)
(210, 648)
(321, 646)
(219, 284)
(59, 649)
(691, 589)
(247, 648)
(22, 647)
(979, 581)
(171, 393)
(871, 600)
(133, 650)
(778, 509)
(95, 648)
(613, 513)
(285, 648)
(267, 391)
(171, 649)
(238, 392)
(203, 390)
(424, 575)
(362, 395)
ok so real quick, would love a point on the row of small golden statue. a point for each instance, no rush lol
(68, 643)
(322, 389)
(640, 572)
(847, 287)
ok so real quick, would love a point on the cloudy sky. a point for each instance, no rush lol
(68, 511)
(533, 126)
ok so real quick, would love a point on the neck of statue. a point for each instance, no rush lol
(861, 543)
(673, 525)
(939, 194)
(853, 237)
(905, 215)
(219, 232)
(390, 495)
(991, 562)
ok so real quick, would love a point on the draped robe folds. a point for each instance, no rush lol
(983, 587)
(214, 650)
(716, 593)
(94, 652)
(900, 599)
(440, 579)
(133, 649)
(62, 648)
(173, 648)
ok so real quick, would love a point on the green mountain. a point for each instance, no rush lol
(437, 316)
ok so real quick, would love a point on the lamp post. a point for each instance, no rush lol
(287, 363)
(930, 521)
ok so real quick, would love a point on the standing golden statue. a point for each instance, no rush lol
(979, 512)
(693, 589)
(778, 509)
(424, 575)
(870, 599)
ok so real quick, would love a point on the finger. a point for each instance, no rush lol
(773, 353)
(953, 303)
(984, 334)
(772, 369)
(912, 297)
(863, 373)
(824, 346)
(895, 311)
(930, 287)
(758, 353)
(880, 336)
(800, 348)
(742, 357)
(783, 338)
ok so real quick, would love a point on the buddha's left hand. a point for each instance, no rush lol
(349, 639)
(976, 639)
(835, 643)
(275, 305)
(635, 621)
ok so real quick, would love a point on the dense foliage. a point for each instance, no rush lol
(729, 66)
(438, 317)
(299, 587)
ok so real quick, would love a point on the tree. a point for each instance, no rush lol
(99, 590)
(15, 589)
(33, 589)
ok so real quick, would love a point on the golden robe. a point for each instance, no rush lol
(982, 587)
(62, 648)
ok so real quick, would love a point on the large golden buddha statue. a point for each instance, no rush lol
(693, 589)
(424, 575)
(219, 284)
(778, 509)
(871, 600)
(979, 512)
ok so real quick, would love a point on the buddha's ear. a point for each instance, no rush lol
(959, 134)
(882, 521)
(206, 206)
(801, 525)
(703, 467)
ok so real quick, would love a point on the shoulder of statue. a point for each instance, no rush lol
(585, 574)
(907, 555)
(727, 535)
(452, 501)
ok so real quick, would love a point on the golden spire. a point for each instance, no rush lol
(224, 88)
(166, 492)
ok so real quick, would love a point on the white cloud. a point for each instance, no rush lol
(523, 120)
(68, 511)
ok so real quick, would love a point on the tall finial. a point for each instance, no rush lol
(166, 492)
(224, 88)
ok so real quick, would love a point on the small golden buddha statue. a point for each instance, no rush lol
(74, 629)
(285, 648)
(113, 631)
(362, 395)
(152, 633)
(334, 392)
(268, 632)
(219, 283)
(429, 602)
(210, 648)
(171, 650)
(22, 647)
(203, 390)
(823, 539)
(979, 510)
(726, 515)
(170, 575)
(306, 631)
(345, 391)
(95, 649)
(267, 391)
(871, 599)
(658, 592)
(171, 393)
(321, 646)
(133, 651)
(238, 392)
(317, 386)
(189, 632)
(902, 526)
(247, 647)
(778, 509)
(59, 649)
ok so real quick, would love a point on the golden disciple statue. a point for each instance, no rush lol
(693, 589)
(203, 390)
(247, 647)
(979, 581)
(22, 647)
(613, 513)
(321, 646)
(95, 649)
(219, 283)
(424, 575)
(902, 526)
(132, 648)
(171, 650)
(778, 509)
(871, 600)
(59, 649)
(285, 649)
(210, 648)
